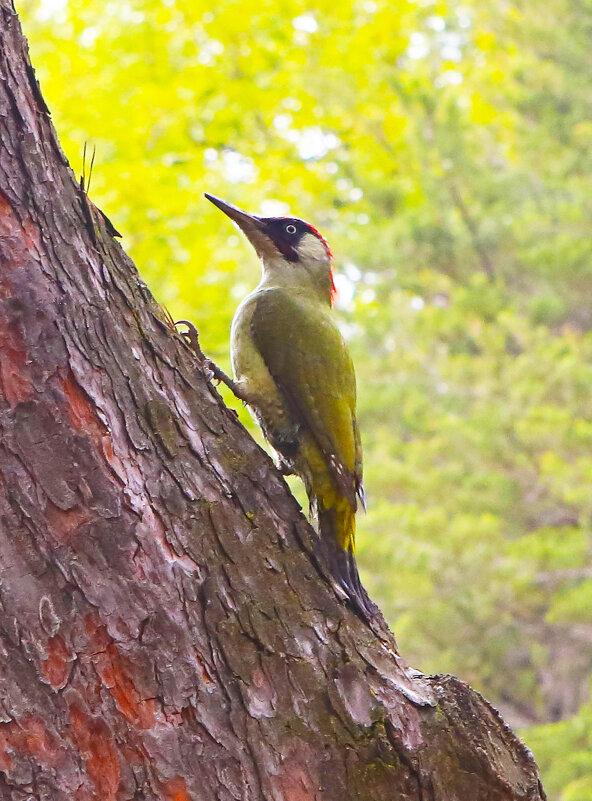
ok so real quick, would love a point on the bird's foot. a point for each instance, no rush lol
(210, 370)
(191, 337)
(285, 469)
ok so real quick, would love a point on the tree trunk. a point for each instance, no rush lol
(166, 631)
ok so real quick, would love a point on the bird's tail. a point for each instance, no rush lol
(337, 528)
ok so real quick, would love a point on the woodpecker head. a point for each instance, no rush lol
(289, 248)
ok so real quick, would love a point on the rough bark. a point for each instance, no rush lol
(165, 630)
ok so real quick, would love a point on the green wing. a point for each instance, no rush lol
(308, 360)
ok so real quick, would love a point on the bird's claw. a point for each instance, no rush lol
(209, 370)
(190, 336)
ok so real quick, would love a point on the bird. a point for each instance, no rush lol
(293, 369)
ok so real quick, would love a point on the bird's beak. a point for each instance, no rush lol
(252, 226)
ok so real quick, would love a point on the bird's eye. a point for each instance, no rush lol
(291, 229)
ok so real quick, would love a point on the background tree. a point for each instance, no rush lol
(444, 148)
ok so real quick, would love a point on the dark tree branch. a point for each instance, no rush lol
(471, 226)
(165, 631)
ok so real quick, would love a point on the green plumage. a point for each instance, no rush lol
(308, 360)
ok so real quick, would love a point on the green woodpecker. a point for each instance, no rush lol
(292, 367)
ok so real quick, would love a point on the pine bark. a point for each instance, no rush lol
(166, 631)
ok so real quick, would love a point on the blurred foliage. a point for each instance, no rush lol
(445, 150)
(564, 752)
